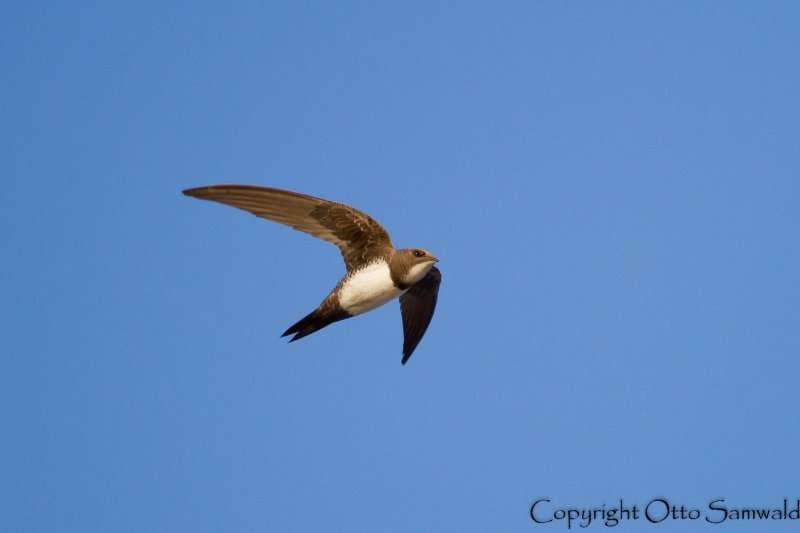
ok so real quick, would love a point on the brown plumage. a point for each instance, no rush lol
(358, 236)
(376, 271)
(416, 306)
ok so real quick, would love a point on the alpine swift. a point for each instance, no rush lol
(376, 271)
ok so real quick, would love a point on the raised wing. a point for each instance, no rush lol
(417, 305)
(358, 236)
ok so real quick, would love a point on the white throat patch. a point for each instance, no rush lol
(368, 288)
(417, 272)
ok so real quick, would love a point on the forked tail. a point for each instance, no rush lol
(312, 322)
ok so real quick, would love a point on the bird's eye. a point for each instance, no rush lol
(418, 253)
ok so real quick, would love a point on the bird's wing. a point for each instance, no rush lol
(416, 306)
(358, 236)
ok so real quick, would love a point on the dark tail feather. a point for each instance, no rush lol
(309, 324)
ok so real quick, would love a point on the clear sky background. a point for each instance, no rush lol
(612, 189)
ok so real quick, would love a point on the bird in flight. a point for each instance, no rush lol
(376, 271)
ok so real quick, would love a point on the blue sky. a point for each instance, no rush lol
(612, 189)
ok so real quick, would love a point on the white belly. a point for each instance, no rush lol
(368, 288)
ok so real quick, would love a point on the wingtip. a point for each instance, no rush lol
(191, 191)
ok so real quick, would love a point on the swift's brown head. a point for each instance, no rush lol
(410, 265)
